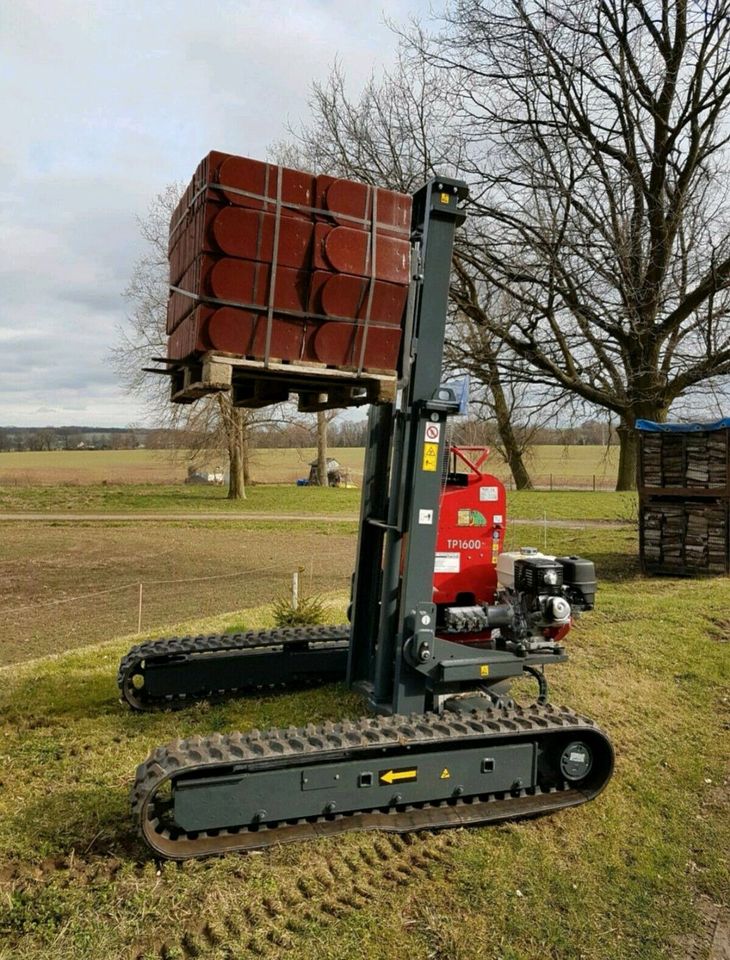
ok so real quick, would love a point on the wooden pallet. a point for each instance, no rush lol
(253, 383)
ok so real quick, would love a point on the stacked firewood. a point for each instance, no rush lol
(685, 537)
(273, 264)
(651, 459)
(693, 459)
(685, 500)
(718, 458)
(673, 462)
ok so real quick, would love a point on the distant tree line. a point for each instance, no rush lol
(300, 433)
(477, 432)
(36, 439)
(292, 433)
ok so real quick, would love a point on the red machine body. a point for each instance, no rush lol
(472, 518)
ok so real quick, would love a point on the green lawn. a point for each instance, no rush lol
(576, 505)
(286, 499)
(125, 498)
(614, 880)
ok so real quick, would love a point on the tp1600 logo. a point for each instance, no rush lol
(464, 544)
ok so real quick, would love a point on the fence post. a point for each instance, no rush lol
(551, 482)
(295, 590)
(139, 611)
(594, 483)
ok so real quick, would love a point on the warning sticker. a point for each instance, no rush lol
(430, 457)
(484, 670)
(445, 198)
(445, 775)
(433, 432)
(447, 563)
(488, 493)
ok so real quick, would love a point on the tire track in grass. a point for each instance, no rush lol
(334, 882)
(334, 885)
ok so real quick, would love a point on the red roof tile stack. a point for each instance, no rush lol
(277, 265)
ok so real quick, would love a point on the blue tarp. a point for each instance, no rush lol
(648, 426)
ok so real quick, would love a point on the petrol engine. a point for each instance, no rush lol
(523, 601)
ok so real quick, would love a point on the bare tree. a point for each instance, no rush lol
(41, 439)
(324, 419)
(474, 350)
(213, 426)
(595, 135)
(397, 133)
(322, 448)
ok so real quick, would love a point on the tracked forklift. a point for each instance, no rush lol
(441, 622)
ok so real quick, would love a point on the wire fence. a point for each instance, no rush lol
(137, 589)
(567, 482)
(144, 606)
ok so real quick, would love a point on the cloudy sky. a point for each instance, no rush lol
(104, 103)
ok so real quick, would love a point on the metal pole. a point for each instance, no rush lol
(139, 611)
(295, 590)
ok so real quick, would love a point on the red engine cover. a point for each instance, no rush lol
(471, 528)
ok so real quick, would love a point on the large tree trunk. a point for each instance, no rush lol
(522, 478)
(322, 478)
(627, 457)
(510, 446)
(245, 449)
(628, 437)
(234, 419)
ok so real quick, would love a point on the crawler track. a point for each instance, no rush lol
(179, 670)
(212, 767)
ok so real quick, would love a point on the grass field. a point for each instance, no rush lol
(569, 466)
(64, 585)
(282, 499)
(153, 466)
(619, 879)
(67, 584)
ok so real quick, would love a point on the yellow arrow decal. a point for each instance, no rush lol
(394, 776)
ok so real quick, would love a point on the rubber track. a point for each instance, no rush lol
(313, 743)
(191, 648)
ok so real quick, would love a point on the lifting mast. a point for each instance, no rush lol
(401, 486)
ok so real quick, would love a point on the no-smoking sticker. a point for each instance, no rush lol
(433, 432)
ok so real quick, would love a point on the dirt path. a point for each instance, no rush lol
(712, 940)
(275, 517)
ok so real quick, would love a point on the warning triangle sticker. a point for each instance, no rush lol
(445, 775)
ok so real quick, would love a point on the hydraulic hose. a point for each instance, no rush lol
(542, 697)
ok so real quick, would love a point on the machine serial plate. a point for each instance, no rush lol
(447, 563)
